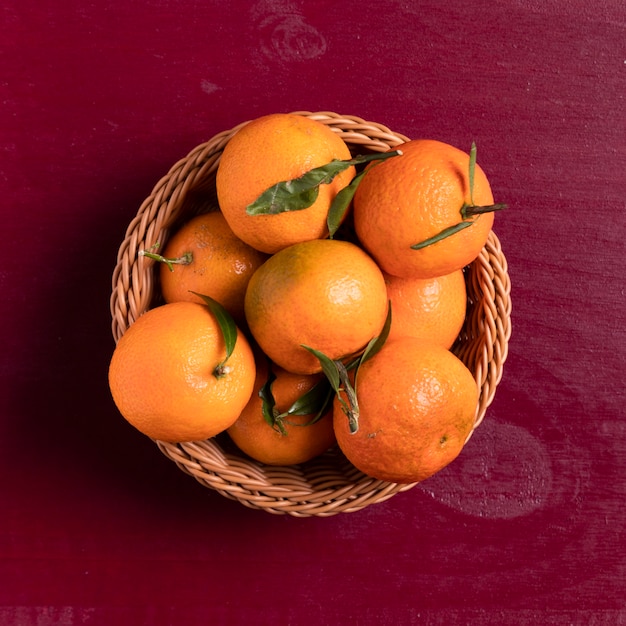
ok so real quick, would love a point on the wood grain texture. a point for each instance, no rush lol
(100, 99)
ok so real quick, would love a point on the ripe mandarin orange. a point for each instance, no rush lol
(326, 294)
(428, 308)
(417, 404)
(272, 149)
(211, 260)
(163, 375)
(408, 199)
(292, 439)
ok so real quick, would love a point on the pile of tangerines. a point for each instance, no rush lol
(316, 306)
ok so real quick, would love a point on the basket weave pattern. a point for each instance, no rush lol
(329, 484)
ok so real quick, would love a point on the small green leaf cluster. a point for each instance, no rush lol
(337, 373)
(314, 402)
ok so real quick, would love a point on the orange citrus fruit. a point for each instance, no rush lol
(428, 308)
(417, 403)
(269, 150)
(206, 257)
(406, 200)
(292, 438)
(326, 294)
(168, 377)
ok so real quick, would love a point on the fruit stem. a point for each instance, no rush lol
(221, 369)
(185, 259)
(350, 408)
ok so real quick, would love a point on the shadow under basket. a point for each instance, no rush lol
(329, 484)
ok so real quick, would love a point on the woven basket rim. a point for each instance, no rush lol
(317, 488)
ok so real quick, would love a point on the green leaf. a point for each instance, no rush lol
(227, 326)
(340, 204)
(339, 379)
(313, 401)
(375, 345)
(300, 193)
(446, 232)
(329, 367)
(468, 211)
(268, 402)
(283, 197)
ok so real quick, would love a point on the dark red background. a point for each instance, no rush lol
(99, 99)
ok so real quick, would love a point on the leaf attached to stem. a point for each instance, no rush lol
(467, 211)
(338, 375)
(227, 327)
(300, 193)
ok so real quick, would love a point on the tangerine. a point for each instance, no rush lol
(169, 376)
(205, 256)
(326, 294)
(292, 437)
(416, 408)
(428, 308)
(417, 197)
(269, 150)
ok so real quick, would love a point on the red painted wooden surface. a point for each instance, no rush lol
(99, 99)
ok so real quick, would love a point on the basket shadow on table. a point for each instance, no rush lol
(64, 417)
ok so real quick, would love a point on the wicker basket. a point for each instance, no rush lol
(329, 484)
